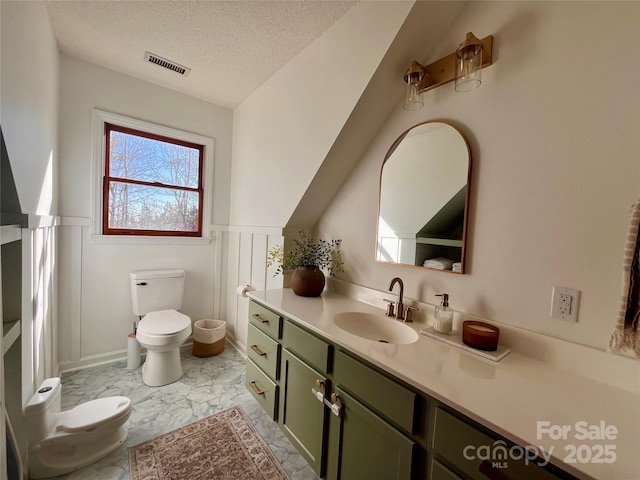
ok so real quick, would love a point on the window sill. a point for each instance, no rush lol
(147, 240)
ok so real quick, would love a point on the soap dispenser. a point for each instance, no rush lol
(444, 316)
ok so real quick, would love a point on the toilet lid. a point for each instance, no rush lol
(164, 322)
(94, 413)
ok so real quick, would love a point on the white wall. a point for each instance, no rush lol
(28, 114)
(29, 104)
(553, 132)
(283, 132)
(95, 308)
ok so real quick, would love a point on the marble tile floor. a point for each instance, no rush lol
(209, 385)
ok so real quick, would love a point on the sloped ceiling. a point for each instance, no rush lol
(425, 25)
(231, 47)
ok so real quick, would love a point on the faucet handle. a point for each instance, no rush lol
(390, 308)
(408, 313)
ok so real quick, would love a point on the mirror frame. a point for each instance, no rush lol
(465, 221)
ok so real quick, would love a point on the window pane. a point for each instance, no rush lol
(140, 207)
(148, 160)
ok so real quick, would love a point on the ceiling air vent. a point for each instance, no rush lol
(164, 63)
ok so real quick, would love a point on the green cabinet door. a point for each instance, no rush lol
(363, 446)
(302, 415)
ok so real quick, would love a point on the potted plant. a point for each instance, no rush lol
(306, 260)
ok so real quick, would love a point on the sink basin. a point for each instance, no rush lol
(376, 328)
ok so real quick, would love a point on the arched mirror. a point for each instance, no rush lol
(424, 198)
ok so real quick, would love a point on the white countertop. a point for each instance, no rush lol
(510, 397)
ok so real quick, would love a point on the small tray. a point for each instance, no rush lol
(455, 340)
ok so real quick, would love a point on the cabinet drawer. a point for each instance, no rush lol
(390, 399)
(266, 320)
(457, 442)
(264, 351)
(440, 472)
(307, 346)
(262, 388)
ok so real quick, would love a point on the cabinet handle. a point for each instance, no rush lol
(491, 473)
(259, 318)
(255, 388)
(258, 351)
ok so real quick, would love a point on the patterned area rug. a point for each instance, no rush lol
(222, 446)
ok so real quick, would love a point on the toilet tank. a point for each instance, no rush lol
(41, 412)
(153, 290)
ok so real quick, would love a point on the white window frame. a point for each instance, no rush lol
(100, 117)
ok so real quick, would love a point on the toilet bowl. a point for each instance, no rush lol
(162, 333)
(156, 297)
(63, 441)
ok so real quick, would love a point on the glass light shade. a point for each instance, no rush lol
(468, 67)
(413, 97)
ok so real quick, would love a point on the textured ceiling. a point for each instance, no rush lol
(231, 47)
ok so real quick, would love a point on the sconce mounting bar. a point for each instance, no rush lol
(444, 70)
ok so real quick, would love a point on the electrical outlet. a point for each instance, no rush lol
(564, 303)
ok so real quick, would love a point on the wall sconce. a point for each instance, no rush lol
(464, 65)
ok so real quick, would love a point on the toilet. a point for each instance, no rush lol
(156, 295)
(63, 441)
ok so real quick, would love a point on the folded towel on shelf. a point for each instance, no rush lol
(456, 267)
(440, 263)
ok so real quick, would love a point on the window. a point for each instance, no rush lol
(152, 184)
(150, 180)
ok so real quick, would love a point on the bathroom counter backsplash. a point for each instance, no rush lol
(521, 397)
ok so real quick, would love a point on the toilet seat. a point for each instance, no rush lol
(163, 322)
(94, 414)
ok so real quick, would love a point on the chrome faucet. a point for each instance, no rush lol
(399, 305)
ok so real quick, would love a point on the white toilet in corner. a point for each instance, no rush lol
(156, 295)
(61, 442)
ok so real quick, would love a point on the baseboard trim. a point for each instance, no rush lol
(121, 355)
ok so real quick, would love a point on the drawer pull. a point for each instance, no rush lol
(255, 388)
(259, 318)
(491, 473)
(258, 351)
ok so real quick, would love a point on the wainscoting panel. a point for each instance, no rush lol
(248, 248)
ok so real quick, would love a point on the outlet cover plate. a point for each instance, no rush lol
(564, 303)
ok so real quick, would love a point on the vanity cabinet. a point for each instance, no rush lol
(352, 420)
(304, 379)
(345, 418)
(454, 443)
(302, 416)
(372, 437)
(363, 445)
(263, 357)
